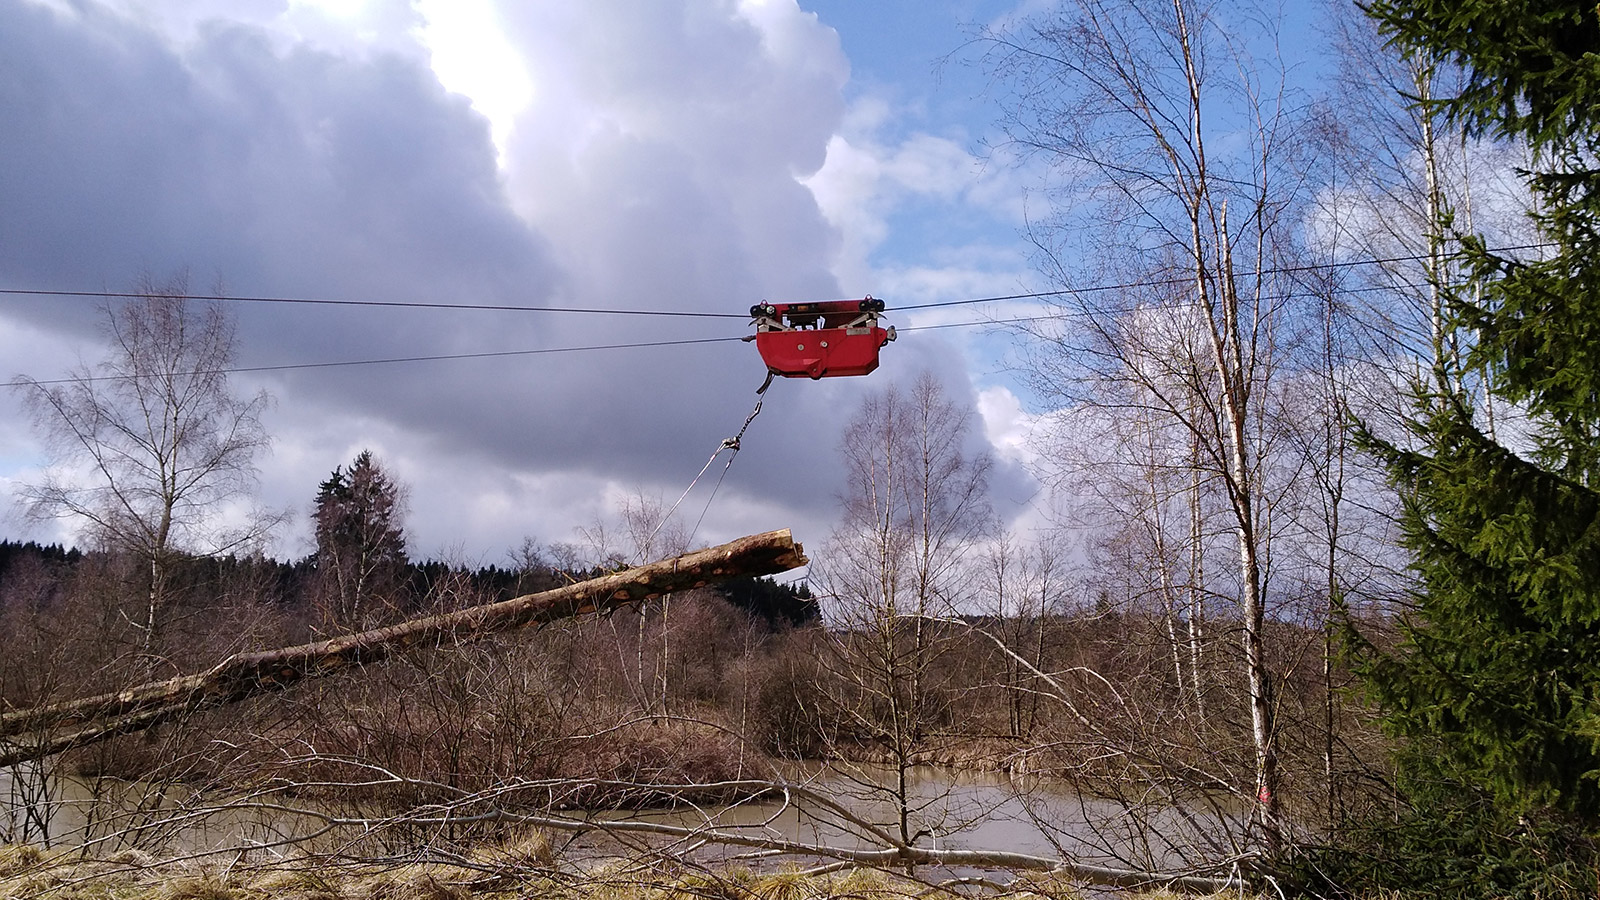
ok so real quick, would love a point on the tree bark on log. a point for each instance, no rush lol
(41, 731)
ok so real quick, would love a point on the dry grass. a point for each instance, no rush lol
(297, 884)
(199, 887)
(410, 883)
(528, 852)
(26, 874)
(787, 884)
(18, 858)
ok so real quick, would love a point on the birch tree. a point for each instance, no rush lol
(916, 506)
(1401, 184)
(1497, 661)
(1171, 145)
(641, 529)
(1409, 184)
(151, 445)
(1025, 586)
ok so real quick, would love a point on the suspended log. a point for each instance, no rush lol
(41, 731)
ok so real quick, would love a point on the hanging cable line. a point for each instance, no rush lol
(1123, 310)
(1056, 314)
(405, 359)
(496, 307)
(1170, 282)
(732, 445)
(398, 304)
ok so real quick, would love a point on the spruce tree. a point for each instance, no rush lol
(1499, 663)
(361, 549)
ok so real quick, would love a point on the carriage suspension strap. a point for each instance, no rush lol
(730, 444)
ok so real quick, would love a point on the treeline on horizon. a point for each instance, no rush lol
(292, 585)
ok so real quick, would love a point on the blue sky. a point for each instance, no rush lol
(911, 53)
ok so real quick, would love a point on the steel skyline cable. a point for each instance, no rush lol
(1055, 314)
(497, 307)
(400, 304)
(1167, 282)
(488, 354)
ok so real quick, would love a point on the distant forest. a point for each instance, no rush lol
(293, 586)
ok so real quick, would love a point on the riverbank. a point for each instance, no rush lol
(27, 872)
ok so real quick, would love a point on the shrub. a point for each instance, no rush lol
(1453, 843)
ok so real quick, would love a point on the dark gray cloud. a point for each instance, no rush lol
(280, 172)
(655, 169)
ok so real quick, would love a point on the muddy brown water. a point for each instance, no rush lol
(946, 809)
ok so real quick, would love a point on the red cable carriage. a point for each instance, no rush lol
(819, 340)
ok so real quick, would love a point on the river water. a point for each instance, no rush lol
(830, 806)
(965, 810)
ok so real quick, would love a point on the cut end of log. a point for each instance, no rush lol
(767, 553)
(792, 553)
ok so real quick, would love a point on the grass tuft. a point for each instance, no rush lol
(16, 859)
(296, 884)
(530, 851)
(788, 884)
(204, 887)
(412, 886)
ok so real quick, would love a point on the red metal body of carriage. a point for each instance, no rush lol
(820, 340)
